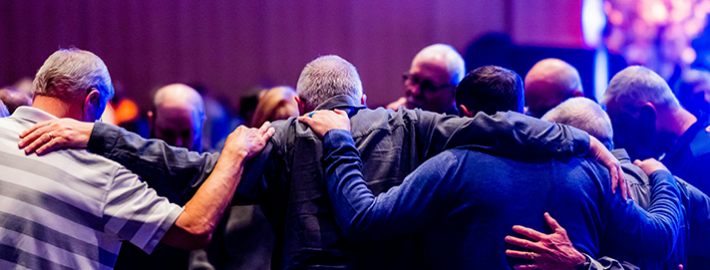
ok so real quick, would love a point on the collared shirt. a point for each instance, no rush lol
(287, 179)
(466, 202)
(71, 209)
(639, 184)
(690, 158)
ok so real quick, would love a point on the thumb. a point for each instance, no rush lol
(305, 119)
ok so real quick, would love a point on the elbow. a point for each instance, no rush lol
(197, 241)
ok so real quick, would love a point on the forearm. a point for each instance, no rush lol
(505, 132)
(651, 234)
(401, 210)
(174, 172)
(203, 212)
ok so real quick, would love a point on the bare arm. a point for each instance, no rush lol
(193, 228)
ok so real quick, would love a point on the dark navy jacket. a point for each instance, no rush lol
(690, 158)
(287, 178)
(466, 202)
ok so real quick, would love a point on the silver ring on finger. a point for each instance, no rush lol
(50, 136)
(532, 255)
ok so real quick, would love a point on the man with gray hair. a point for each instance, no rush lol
(71, 209)
(650, 123)
(586, 115)
(287, 179)
(432, 79)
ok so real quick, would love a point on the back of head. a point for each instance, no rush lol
(326, 77)
(70, 74)
(549, 83)
(586, 115)
(491, 89)
(635, 86)
(276, 104)
(13, 98)
(455, 65)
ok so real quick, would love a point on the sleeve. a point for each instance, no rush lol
(699, 217)
(425, 195)
(605, 263)
(508, 133)
(173, 172)
(136, 213)
(653, 234)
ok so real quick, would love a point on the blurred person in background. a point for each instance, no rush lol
(430, 84)
(218, 122)
(693, 92)
(549, 83)
(277, 103)
(176, 118)
(13, 98)
(490, 89)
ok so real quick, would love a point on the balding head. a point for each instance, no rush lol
(324, 78)
(177, 116)
(431, 83)
(14, 98)
(586, 115)
(549, 83)
(643, 111)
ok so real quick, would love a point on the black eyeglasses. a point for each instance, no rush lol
(425, 85)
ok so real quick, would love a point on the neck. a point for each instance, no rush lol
(57, 107)
(675, 123)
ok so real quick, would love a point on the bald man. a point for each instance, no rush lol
(177, 116)
(432, 79)
(549, 83)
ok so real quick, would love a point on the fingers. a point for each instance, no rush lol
(41, 140)
(33, 128)
(637, 163)
(32, 137)
(526, 266)
(522, 243)
(49, 146)
(269, 132)
(305, 119)
(264, 127)
(624, 187)
(340, 112)
(614, 177)
(520, 254)
(532, 234)
(552, 222)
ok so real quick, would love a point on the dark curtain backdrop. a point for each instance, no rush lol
(230, 45)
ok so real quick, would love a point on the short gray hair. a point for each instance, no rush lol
(586, 115)
(326, 77)
(636, 85)
(69, 74)
(455, 65)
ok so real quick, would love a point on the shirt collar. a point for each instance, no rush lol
(342, 102)
(31, 114)
(621, 155)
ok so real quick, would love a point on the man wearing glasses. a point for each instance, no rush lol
(431, 81)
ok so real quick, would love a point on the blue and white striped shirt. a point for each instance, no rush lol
(71, 209)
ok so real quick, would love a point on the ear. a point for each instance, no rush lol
(464, 111)
(363, 100)
(301, 105)
(92, 106)
(648, 116)
(577, 93)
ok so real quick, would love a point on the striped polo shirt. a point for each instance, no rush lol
(71, 209)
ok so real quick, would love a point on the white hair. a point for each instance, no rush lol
(326, 77)
(583, 114)
(455, 65)
(635, 86)
(70, 74)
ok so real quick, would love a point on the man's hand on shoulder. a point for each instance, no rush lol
(599, 152)
(56, 134)
(650, 165)
(323, 121)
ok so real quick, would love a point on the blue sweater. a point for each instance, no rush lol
(464, 203)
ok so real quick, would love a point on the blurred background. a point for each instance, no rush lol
(231, 49)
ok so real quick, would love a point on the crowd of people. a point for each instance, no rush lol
(469, 170)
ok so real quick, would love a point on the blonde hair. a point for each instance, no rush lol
(276, 104)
